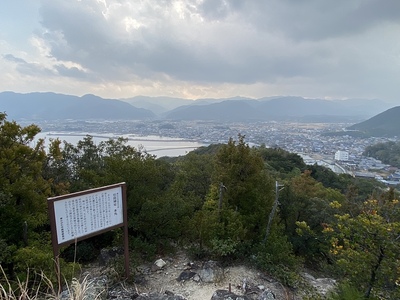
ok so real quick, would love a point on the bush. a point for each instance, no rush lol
(276, 257)
(345, 291)
(41, 260)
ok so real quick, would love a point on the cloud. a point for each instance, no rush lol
(70, 72)
(14, 59)
(333, 48)
(24, 67)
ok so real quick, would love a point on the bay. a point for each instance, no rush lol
(152, 144)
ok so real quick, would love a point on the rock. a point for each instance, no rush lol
(157, 296)
(121, 292)
(322, 285)
(266, 295)
(158, 264)
(196, 278)
(227, 295)
(186, 275)
(211, 272)
(107, 255)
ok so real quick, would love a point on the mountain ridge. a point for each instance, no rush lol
(385, 124)
(47, 105)
(51, 106)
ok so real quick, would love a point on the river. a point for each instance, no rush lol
(155, 145)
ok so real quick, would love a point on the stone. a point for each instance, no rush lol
(108, 254)
(158, 264)
(211, 272)
(227, 295)
(158, 296)
(267, 295)
(186, 275)
(322, 285)
(196, 278)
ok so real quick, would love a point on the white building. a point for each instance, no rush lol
(342, 155)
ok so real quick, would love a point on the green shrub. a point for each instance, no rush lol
(276, 257)
(41, 260)
(345, 291)
(223, 247)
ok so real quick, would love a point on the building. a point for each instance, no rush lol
(342, 155)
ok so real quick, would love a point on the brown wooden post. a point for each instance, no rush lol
(126, 241)
(56, 248)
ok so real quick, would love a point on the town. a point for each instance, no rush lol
(317, 143)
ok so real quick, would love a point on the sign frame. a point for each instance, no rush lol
(53, 201)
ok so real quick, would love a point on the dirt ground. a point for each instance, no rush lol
(165, 279)
(148, 278)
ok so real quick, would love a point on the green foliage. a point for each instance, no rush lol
(23, 190)
(39, 258)
(216, 201)
(216, 232)
(303, 212)
(281, 161)
(366, 247)
(344, 291)
(161, 217)
(277, 258)
(248, 188)
(388, 153)
(142, 249)
(193, 176)
(82, 252)
(223, 248)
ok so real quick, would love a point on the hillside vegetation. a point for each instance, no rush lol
(386, 123)
(216, 202)
(52, 106)
(388, 153)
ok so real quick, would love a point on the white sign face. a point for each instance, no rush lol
(82, 215)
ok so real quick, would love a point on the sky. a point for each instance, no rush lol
(202, 48)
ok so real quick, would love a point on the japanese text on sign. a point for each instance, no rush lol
(82, 215)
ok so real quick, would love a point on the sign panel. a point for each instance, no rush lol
(83, 215)
(78, 216)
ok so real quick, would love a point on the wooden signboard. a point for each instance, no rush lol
(78, 216)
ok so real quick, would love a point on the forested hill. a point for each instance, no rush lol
(39, 106)
(386, 124)
(388, 153)
(280, 109)
(218, 203)
(51, 106)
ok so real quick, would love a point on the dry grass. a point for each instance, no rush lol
(44, 289)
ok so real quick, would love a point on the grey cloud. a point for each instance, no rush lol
(237, 42)
(316, 19)
(27, 68)
(14, 59)
(214, 9)
(71, 72)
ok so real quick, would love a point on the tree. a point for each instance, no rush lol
(304, 209)
(23, 190)
(366, 247)
(238, 201)
(249, 189)
(282, 161)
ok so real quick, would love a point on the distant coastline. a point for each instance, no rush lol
(156, 145)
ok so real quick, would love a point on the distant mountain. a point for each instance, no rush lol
(385, 124)
(228, 110)
(51, 106)
(157, 105)
(281, 109)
